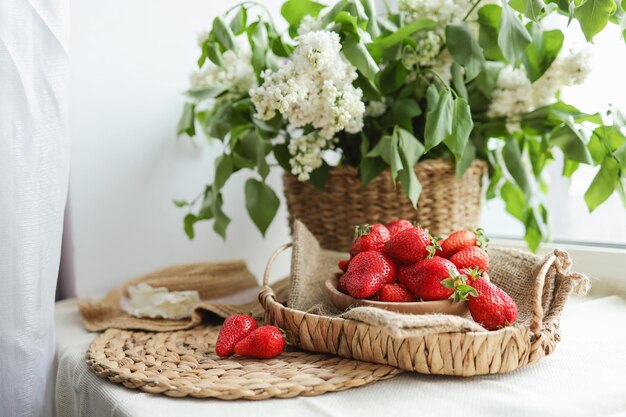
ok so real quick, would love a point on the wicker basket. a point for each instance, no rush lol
(447, 203)
(462, 354)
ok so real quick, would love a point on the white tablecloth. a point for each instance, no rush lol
(583, 377)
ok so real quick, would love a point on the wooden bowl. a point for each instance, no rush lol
(344, 301)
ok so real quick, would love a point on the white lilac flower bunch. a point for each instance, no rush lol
(452, 79)
(313, 87)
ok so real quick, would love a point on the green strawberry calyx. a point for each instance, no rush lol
(434, 247)
(458, 282)
(482, 241)
(361, 230)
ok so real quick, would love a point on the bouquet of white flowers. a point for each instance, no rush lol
(345, 85)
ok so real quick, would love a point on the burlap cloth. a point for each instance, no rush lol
(225, 288)
(514, 271)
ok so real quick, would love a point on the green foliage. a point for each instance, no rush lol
(426, 113)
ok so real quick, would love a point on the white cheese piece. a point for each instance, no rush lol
(147, 301)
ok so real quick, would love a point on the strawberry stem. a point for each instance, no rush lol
(360, 230)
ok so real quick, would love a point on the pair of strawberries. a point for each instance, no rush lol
(400, 262)
(242, 335)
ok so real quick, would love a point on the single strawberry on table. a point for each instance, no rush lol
(397, 226)
(264, 343)
(410, 246)
(235, 328)
(424, 278)
(396, 293)
(367, 273)
(472, 257)
(462, 239)
(369, 237)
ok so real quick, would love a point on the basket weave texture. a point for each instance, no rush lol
(446, 203)
(183, 363)
(429, 344)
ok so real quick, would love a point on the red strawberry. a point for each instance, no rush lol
(424, 278)
(341, 285)
(458, 240)
(492, 308)
(396, 293)
(367, 273)
(265, 342)
(462, 239)
(343, 264)
(409, 246)
(375, 297)
(396, 226)
(367, 238)
(472, 257)
(235, 328)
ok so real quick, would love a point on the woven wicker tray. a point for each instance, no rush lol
(543, 290)
(183, 363)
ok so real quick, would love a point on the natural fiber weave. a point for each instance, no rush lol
(446, 203)
(426, 344)
(183, 363)
(225, 288)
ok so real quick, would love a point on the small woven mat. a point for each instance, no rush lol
(183, 363)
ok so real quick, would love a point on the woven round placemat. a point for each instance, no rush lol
(184, 363)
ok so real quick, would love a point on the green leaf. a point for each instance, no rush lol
(465, 49)
(403, 33)
(214, 53)
(571, 142)
(294, 10)
(620, 155)
(223, 34)
(223, 170)
(410, 149)
(513, 38)
(404, 111)
(392, 77)
(513, 160)
(186, 123)
(355, 51)
(514, 200)
(319, 176)
(188, 222)
(221, 220)
(469, 154)
(542, 51)
(569, 167)
(261, 203)
(439, 120)
(239, 21)
(603, 184)
(461, 128)
(457, 80)
(370, 168)
(593, 16)
(281, 153)
(489, 21)
(532, 9)
(180, 203)
(206, 93)
(257, 36)
(387, 149)
(372, 21)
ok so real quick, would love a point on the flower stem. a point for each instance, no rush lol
(471, 10)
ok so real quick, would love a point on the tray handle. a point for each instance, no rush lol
(267, 291)
(573, 281)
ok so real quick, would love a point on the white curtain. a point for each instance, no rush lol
(34, 171)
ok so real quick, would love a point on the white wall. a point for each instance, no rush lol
(130, 61)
